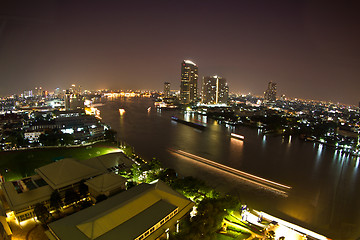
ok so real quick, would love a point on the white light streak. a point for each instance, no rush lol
(237, 136)
(265, 183)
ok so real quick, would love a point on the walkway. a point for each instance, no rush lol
(28, 230)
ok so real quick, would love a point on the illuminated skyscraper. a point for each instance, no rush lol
(28, 94)
(189, 79)
(73, 101)
(270, 93)
(38, 91)
(166, 89)
(214, 90)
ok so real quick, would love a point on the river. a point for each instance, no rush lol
(324, 182)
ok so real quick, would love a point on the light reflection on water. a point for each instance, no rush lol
(264, 141)
(187, 116)
(204, 119)
(319, 151)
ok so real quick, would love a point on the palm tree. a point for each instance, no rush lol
(55, 200)
(41, 213)
(71, 196)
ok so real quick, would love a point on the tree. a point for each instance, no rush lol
(16, 138)
(85, 204)
(128, 150)
(135, 172)
(130, 184)
(55, 200)
(191, 187)
(154, 164)
(209, 218)
(83, 189)
(50, 138)
(66, 139)
(71, 196)
(41, 213)
(168, 175)
(55, 137)
(110, 135)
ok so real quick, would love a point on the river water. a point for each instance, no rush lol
(325, 193)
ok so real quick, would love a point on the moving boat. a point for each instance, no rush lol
(191, 124)
(237, 136)
(121, 111)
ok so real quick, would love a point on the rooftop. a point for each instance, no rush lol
(123, 216)
(189, 62)
(18, 200)
(66, 172)
(106, 182)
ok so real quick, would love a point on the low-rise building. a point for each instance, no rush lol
(22, 195)
(146, 211)
(33, 136)
(106, 184)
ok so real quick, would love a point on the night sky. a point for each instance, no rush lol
(310, 48)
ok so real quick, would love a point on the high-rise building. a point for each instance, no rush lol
(38, 91)
(67, 99)
(166, 89)
(57, 91)
(28, 94)
(270, 93)
(189, 79)
(214, 90)
(73, 101)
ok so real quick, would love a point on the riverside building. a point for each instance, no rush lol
(270, 93)
(214, 90)
(189, 79)
(166, 89)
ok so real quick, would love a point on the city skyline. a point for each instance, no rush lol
(309, 49)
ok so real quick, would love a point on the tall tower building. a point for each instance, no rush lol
(270, 93)
(67, 99)
(214, 90)
(189, 79)
(166, 89)
(38, 91)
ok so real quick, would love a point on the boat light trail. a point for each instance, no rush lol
(237, 136)
(243, 175)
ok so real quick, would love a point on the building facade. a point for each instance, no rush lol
(73, 101)
(214, 90)
(270, 93)
(146, 211)
(166, 89)
(189, 79)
